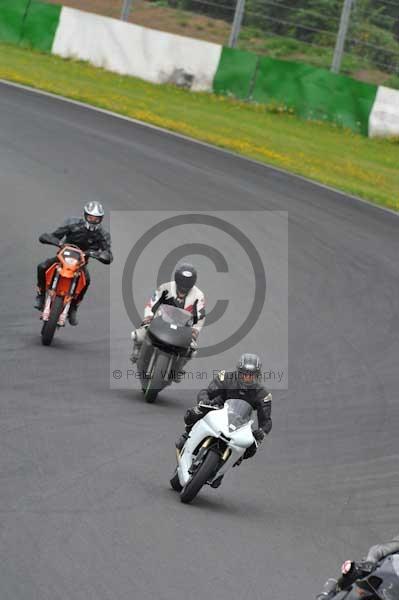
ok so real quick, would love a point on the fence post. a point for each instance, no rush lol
(341, 37)
(126, 8)
(236, 27)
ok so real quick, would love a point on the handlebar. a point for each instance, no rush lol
(51, 240)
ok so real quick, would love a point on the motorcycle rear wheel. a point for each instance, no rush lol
(50, 326)
(200, 477)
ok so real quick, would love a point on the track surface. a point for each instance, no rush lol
(85, 507)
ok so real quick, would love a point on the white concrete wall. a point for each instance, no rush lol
(384, 116)
(133, 50)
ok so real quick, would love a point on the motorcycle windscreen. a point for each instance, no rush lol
(172, 326)
(239, 413)
(174, 315)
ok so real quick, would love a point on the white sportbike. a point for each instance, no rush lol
(216, 442)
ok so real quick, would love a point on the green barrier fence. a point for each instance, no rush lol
(315, 93)
(12, 15)
(236, 73)
(40, 25)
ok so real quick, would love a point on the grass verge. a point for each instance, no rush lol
(320, 151)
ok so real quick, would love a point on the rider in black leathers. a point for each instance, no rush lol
(351, 571)
(242, 383)
(86, 233)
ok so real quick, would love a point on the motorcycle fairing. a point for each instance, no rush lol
(71, 280)
(64, 282)
(169, 334)
(213, 425)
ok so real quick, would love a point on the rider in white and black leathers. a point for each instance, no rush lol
(182, 293)
(352, 571)
(242, 383)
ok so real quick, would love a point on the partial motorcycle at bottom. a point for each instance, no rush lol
(381, 583)
(64, 282)
(164, 349)
(214, 445)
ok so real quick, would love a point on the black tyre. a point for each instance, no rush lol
(175, 483)
(156, 381)
(50, 326)
(200, 477)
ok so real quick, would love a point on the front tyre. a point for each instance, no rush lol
(205, 472)
(156, 381)
(50, 326)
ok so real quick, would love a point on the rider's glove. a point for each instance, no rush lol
(351, 571)
(259, 435)
(147, 320)
(193, 415)
(365, 566)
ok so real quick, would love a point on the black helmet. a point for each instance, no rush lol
(248, 370)
(94, 214)
(185, 277)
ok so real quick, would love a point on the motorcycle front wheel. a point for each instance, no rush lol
(205, 472)
(157, 378)
(50, 326)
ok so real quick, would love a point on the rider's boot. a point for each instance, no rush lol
(136, 348)
(180, 375)
(39, 300)
(135, 353)
(73, 314)
(217, 482)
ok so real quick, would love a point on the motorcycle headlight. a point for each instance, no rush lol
(69, 260)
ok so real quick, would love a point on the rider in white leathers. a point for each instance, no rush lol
(182, 293)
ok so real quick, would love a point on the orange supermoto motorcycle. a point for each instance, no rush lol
(65, 279)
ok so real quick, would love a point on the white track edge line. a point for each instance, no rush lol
(195, 141)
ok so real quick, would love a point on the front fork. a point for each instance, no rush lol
(198, 459)
(64, 314)
(49, 297)
(51, 293)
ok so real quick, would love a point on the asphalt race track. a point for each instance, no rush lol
(86, 511)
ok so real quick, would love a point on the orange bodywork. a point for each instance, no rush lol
(67, 272)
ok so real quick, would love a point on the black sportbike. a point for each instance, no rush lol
(382, 583)
(165, 349)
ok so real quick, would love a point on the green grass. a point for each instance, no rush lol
(323, 152)
(255, 40)
(393, 82)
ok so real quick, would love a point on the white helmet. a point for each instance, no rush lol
(94, 214)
